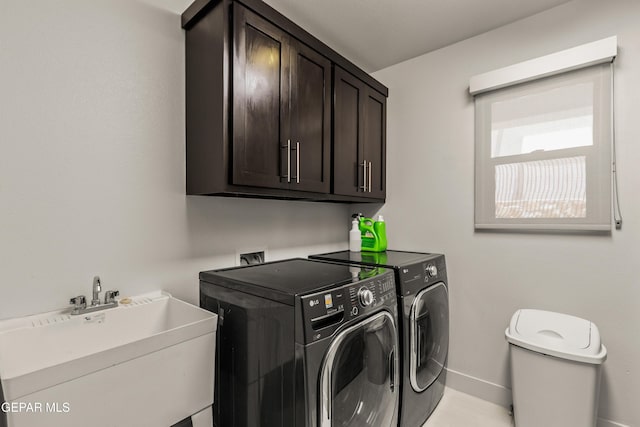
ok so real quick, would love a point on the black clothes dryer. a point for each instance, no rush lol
(304, 343)
(422, 289)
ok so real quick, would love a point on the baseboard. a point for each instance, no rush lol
(482, 389)
(495, 393)
(608, 423)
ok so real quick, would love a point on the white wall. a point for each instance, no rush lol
(430, 204)
(92, 168)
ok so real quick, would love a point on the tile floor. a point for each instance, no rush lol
(457, 409)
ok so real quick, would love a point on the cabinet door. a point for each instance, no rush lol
(310, 119)
(374, 142)
(260, 98)
(359, 152)
(348, 167)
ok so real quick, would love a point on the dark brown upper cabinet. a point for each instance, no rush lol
(259, 107)
(359, 150)
(281, 109)
(310, 119)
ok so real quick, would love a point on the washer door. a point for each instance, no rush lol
(429, 330)
(359, 377)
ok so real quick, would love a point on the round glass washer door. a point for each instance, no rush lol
(359, 375)
(429, 329)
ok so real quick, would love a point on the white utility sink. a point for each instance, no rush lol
(146, 363)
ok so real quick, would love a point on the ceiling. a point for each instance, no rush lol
(375, 34)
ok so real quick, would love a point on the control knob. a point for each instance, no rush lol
(432, 270)
(365, 296)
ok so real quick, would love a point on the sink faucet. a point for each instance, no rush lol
(80, 302)
(96, 291)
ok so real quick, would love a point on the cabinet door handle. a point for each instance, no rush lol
(370, 167)
(288, 147)
(364, 176)
(298, 162)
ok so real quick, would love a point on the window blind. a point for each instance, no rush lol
(543, 153)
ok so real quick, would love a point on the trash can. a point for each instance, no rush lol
(555, 369)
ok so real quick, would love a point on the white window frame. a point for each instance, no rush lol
(592, 62)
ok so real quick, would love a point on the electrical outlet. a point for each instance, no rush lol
(251, 258)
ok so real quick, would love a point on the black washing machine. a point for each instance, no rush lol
(304, 343)
(422, 289)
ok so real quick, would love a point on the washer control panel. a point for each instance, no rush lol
(324, 312)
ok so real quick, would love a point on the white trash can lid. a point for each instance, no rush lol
(556, 334)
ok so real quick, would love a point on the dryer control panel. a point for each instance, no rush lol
(324, 312)
(416, 277)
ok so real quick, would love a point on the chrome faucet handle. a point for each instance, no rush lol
(110, 296)
(96, 291)
(79, 302)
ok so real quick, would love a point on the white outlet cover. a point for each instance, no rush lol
(251, 250)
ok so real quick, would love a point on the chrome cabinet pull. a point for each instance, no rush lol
(288, 147)
(370, 167)
(364, 176)
(288, 160)
(298, 162)
(297, 150)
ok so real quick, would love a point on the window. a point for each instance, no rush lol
(543, 153)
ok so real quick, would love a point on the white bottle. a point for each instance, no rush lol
(355, 241)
